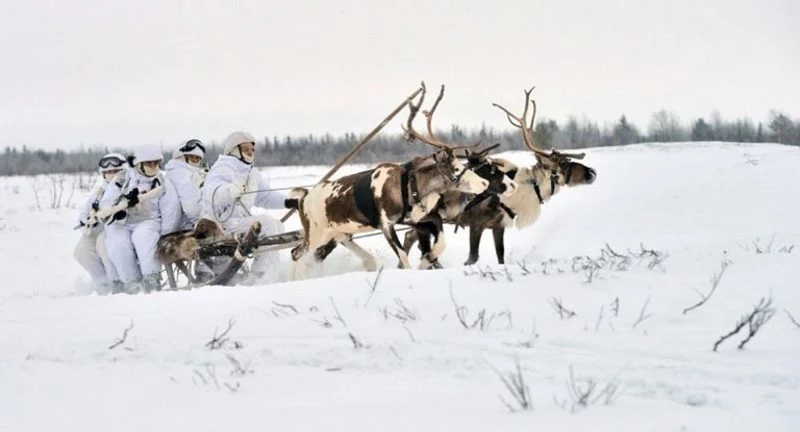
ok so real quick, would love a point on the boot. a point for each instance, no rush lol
(117, 286)
(151, 282)
(132, 287)
(103, 288)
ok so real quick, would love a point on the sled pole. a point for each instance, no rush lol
(363, 141)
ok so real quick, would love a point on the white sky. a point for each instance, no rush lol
(124, 73)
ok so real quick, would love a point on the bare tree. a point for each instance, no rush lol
(665, 127)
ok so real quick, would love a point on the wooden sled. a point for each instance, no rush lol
(182, 252)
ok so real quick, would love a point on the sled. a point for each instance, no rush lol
(227, 255)
(234, 252)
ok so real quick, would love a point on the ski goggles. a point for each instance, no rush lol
(191, 145)
(111, 162)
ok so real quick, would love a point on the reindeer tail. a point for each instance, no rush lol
(296, 195)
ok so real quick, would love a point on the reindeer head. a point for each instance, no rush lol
(569, 172)
(459, 175)
(496, 172)
(563, 170)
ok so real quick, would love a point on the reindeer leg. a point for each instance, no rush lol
(424, 235)
(475, 233)
(499, 244)
(181, 264)
(411, 237)
(367, 259)
(297, 270)
(431, 259)
(390, 235)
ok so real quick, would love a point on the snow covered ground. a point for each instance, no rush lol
(331, 354)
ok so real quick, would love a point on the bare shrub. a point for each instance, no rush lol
(210, 377)
(714, 282)
(373, 286)
(121, 340)
(238, 367)
(612, 260)
(514, 383)
(643, 315)
(399, 311)
(583, 393)
(791, 318)
(482, 320)
(487, 273)
(761, 314)
(217, 341)
(562, 311)
(757, 247)
(283, 309)
(356, 343)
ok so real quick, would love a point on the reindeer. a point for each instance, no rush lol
(451, 201)
(376, 200)
(490, 210)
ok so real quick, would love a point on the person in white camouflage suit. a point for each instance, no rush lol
(132, 234)
(90, 252)
(185, 172)
(232, 187)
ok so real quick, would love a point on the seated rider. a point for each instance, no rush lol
(232, 187)
(186, 174)
(153, 209)
(90, 252)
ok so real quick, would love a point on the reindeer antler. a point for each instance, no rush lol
(527, 130)
(431, 139)
(411, 133)
(519, 122)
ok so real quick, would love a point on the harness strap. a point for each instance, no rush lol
(477, 199)
(537, 190)
(408, 189)
(507, 209)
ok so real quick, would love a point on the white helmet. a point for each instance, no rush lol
(111, 162)
(146, 154)
(192, 147)
(231, 145)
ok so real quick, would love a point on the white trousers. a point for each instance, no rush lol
(263, 262)
(91, 254)
(132, 248)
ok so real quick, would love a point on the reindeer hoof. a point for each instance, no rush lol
(471, 261)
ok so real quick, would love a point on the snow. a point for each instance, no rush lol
(416, 367)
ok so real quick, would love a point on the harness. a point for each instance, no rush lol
(408, 189)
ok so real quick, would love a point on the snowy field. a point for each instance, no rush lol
(351, 350)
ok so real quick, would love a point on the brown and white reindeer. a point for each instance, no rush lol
(375, 200)
(489, 210)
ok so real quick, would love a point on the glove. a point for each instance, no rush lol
(132, 197)
(290, 203)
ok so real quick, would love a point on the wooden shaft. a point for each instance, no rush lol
(361, 144)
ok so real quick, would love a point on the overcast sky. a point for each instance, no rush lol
(124, 73)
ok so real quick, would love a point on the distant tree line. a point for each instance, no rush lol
(574, 133)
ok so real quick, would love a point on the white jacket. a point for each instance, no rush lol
(230, 177)
(166, 208)
(188, 180)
